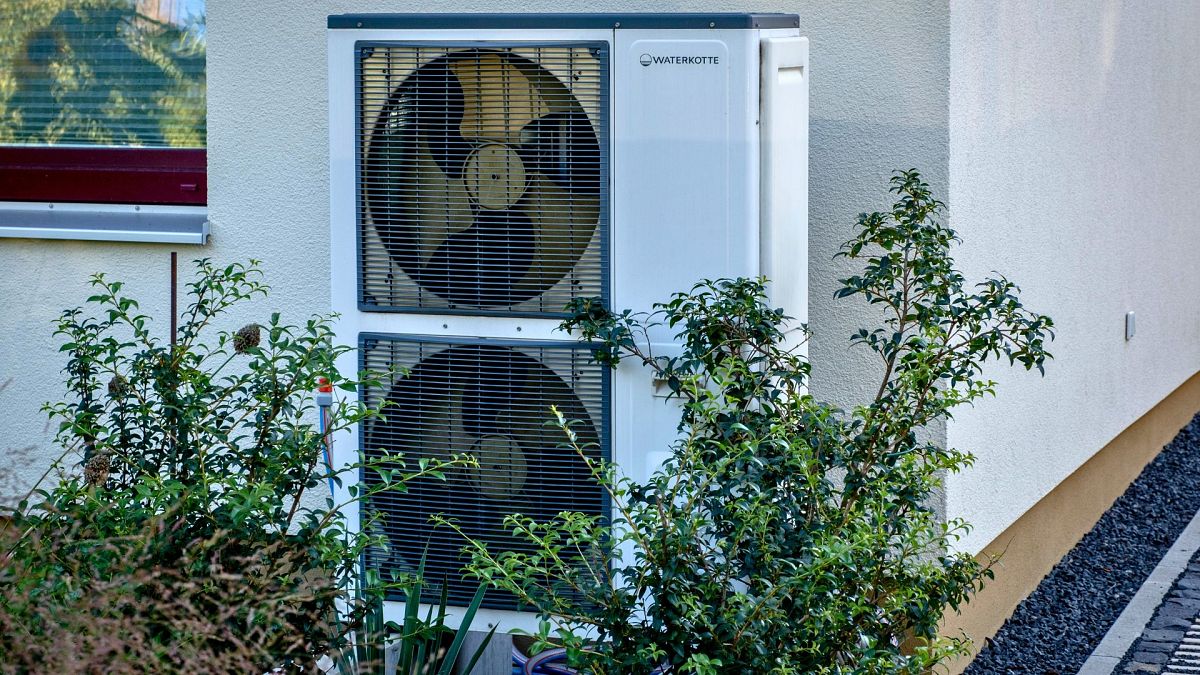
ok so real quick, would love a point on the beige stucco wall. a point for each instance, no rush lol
(1075, 169)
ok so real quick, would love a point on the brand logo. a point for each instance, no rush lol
(648, 59)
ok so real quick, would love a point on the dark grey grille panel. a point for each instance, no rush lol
(483, 177)
(491, 399)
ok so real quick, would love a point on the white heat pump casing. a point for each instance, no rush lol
(708, 179)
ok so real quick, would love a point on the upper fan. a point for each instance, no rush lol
(494, 403)
(481, 178)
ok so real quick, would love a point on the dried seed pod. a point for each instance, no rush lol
(246, 338)
(97, 468)
(118, 386)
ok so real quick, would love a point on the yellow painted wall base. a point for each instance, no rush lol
(1032, 545)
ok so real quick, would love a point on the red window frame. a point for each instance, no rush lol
(170, 176)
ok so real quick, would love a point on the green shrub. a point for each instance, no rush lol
(187, 535)
(783, 535)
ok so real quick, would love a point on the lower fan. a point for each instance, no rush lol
(492, 401)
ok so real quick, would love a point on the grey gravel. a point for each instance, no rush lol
(1059, 625)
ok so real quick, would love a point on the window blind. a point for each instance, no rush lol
(125, 73)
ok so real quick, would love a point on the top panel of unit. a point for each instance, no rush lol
(631, 21)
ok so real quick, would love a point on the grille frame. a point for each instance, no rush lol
(598, 407)
(601, 115)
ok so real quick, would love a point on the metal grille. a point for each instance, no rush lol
(492, 400)
(483, 177)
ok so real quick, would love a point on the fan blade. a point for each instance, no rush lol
(563, 223)
(556, 474)
(430, 103)
(484, 412)
(422, 422)
(437, 204)
(506, 406)
(421, 418)
(563, 147)
(413, 164)
(499, 98)
(491, 401)
(486, 399)
(413, 206)
(483, 265)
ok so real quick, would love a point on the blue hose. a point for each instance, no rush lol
(323, 410)
(547, 663)
(550, 662)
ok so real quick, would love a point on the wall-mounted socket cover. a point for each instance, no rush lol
(1130, 325)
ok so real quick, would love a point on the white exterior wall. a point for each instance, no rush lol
(879, 102)
(1065, 136)
(1075, 170)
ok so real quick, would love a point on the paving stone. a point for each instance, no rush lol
(1191, 605)
(1173, 636)
(1143, 668)
(1150, 657)
(1171, 609)
(1147, 646)
(1170, 622)
(1160, 642)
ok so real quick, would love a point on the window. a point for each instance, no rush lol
(103, 101)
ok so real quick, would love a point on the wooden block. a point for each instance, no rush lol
(496, 659)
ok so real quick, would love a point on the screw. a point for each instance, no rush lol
(358, 25)
(712, 24)
(518, 329)
(617, 24)
(445, 325)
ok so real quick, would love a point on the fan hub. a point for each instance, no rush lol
(495, 176)
(501, 468)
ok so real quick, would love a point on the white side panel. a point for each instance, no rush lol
(342, 244)
(645, 422)
(685, 163)
(784, 206)
(685, 197)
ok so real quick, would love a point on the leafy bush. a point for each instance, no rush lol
(187, 533)
(783, 535)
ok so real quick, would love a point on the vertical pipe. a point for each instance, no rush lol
(174, 299)
(177, 445)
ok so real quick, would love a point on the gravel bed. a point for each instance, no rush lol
(1055, 629)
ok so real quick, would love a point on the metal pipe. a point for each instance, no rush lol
(174, 298)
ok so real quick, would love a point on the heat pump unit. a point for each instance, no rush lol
(487, 169)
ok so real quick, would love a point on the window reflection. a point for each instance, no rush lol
(102, 73)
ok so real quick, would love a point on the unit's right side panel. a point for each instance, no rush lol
(685, 198)
(684, 161)
(784, 198)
